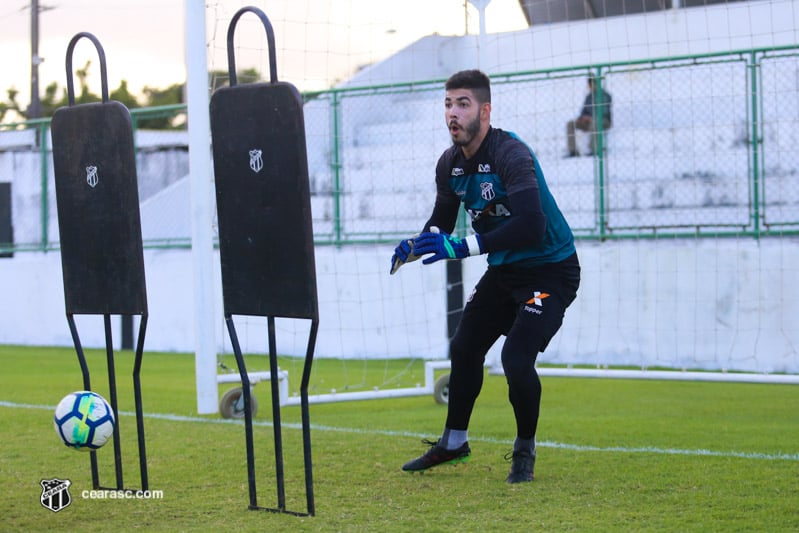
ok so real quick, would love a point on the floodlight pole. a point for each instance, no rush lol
(35, 107)
(481, 6)
(34, 110)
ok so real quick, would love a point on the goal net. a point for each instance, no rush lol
(686, 213)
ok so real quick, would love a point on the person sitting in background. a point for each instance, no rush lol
(586, 121)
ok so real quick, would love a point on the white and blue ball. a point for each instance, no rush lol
(84, 420)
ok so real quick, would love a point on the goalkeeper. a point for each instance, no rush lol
(532, 277)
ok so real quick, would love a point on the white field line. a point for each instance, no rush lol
(391, 433)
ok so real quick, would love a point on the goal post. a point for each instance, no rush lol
(202, 209)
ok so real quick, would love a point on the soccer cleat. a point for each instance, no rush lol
(438, 455)
(521, 467)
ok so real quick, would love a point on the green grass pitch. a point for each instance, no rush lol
(613, 455)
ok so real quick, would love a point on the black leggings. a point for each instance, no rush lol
(525, 304)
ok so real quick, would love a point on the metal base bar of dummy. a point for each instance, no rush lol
(277, 425)
(113, 401)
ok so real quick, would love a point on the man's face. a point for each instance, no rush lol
(462, 114)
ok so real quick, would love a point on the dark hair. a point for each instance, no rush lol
(474, 80)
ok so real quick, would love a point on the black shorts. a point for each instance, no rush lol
(526, 301)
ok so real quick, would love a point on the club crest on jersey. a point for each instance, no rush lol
(487, 191)
(91, 176)
(256, 160)
(484, 167)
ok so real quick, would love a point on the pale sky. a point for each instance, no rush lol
(318, 41)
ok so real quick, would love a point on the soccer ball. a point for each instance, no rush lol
(84, 420)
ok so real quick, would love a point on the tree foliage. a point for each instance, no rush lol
(56, 96)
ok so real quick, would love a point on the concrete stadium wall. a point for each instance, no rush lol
(723, 304)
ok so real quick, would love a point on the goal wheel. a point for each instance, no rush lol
(232, 404)
(441, 389)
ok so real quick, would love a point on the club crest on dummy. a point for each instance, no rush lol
(256, 160)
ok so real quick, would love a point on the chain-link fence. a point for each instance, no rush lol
(26, 164)
(699, 145)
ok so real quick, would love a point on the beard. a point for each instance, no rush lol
(470, 130)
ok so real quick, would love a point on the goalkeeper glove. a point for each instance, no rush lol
(445, 246)
(404, 253)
